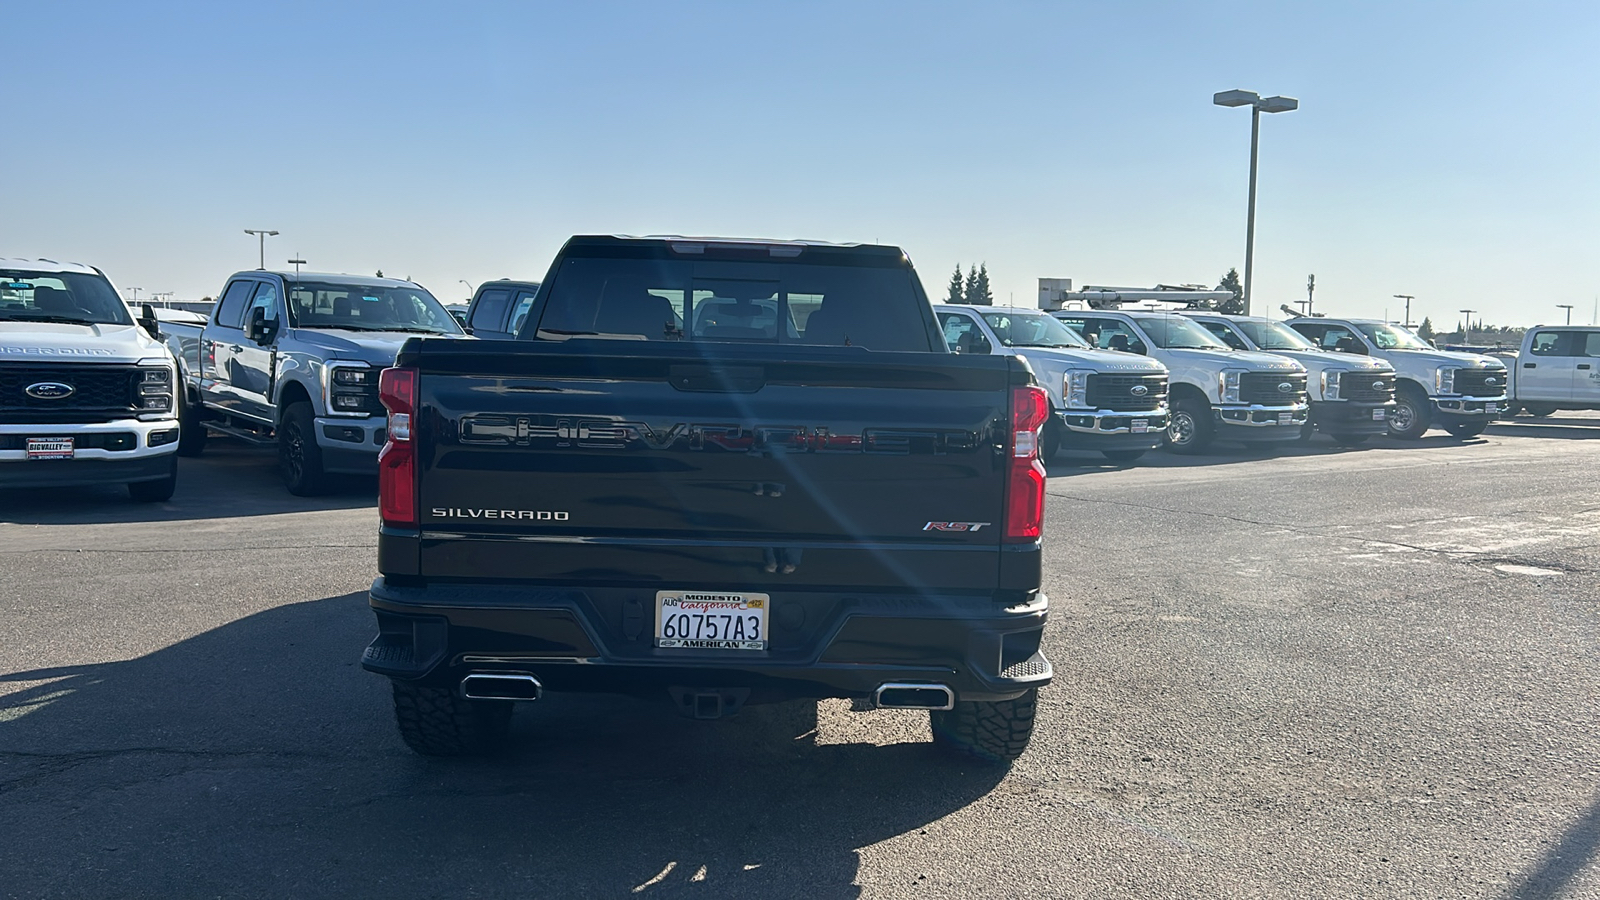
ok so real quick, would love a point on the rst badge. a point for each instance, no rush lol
(954, 526)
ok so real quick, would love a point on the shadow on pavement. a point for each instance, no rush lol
(231, 479)
(259, 759)
(1553, 876)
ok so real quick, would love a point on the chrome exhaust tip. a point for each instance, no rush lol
(501, 686)
(898, 695)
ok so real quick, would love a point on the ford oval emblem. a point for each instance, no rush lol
(1138, 390)
(49, 390)
(1378, 385)
(1490, 380)
(1285, 387)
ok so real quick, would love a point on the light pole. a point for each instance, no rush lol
(262, 234)
(1568, 308)
(1311, 288)
(1258, 105)
(298, 262)
(468, 284)
(135, 300)
(1466, 331)
(1407, 298)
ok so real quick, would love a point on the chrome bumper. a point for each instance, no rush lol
(1111, 421)
(1257, 416)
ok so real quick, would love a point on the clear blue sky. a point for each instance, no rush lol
(1447, 150)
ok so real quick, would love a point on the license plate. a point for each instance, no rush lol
(706, 620)
(1377, 415)
(1285, 418)
(49, 448)
(1139, 426)
(1491, 407)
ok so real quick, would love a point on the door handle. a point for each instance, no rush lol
(236, 348)
(1530, 365)
(1583, 365)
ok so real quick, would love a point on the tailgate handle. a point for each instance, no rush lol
(720, 379)
(1530, 365)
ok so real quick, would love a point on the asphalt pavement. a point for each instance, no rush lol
(1329, 673)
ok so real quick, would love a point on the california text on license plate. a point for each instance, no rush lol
(1140, 426)
(711, 620)
(1285, 418)
(49, 448)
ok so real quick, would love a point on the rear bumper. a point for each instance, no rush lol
(1261, 423)
(1106, 429)
(600, 640)
(1351, 417)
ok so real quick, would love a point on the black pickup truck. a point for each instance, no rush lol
(717, 472)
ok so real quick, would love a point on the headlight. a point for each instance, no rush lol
(353, 376)
(1075, 389)
(1330, 383)
(154, 391)
(1444, 380)
(1228, 385)
(352, 390)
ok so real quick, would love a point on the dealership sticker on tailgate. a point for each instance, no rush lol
(50, 448)
(694, 620)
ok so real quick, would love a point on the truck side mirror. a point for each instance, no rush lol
(259, 328)
(148, 321)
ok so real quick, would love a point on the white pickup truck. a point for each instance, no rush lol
(1461, 392)
(1557, 368)
(1351, 396)
(1114, 403)
(1217, 392)
(86, 394)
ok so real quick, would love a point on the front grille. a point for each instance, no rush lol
(1475, 382)
(1365, 387)
(1116, 392)
(1264, 388)
(100, 393)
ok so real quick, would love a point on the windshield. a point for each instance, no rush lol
(1392, 337)
(1275, 336)
(1178, 333)
(1032, 330)
(60, 297)
(362, 307)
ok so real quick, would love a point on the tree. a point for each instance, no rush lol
(1234, 306)
(955, 295)
(1425, 330)
(969, 291)
(981, 294)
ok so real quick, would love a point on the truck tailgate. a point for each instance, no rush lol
(634, 463)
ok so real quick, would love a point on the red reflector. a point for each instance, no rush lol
(1030, 408)
(397, 462)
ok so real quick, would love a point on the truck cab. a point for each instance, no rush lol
(499, 308)
(1557, 368)
(1114, 403)
(291, 360)
(1461, 392)
(1351, 395)
(1217, 392)
(86, 393)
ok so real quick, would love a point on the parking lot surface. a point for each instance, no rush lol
(1331, 673)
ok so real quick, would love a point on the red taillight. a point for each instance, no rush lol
(1030, 408)
(397, 462)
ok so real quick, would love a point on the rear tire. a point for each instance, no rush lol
(995, 731)
(1413, 413)
(1050, 440)
(439, 722)
(1124, 456)
(1191, 430)
(1539, 410)
(299, 457)
(1466, 429)
(155, 491)
(192, 432)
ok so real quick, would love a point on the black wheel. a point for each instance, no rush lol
(191, 431)
(1413, 413)
(1539, 410)
(155, 491)
(1350, 440)
(299, 457)
(1123, 455)
(439, 722)
(1466, 429)
(1191, 429)
(996, 731)
(1306, 431)
(1050, 440)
